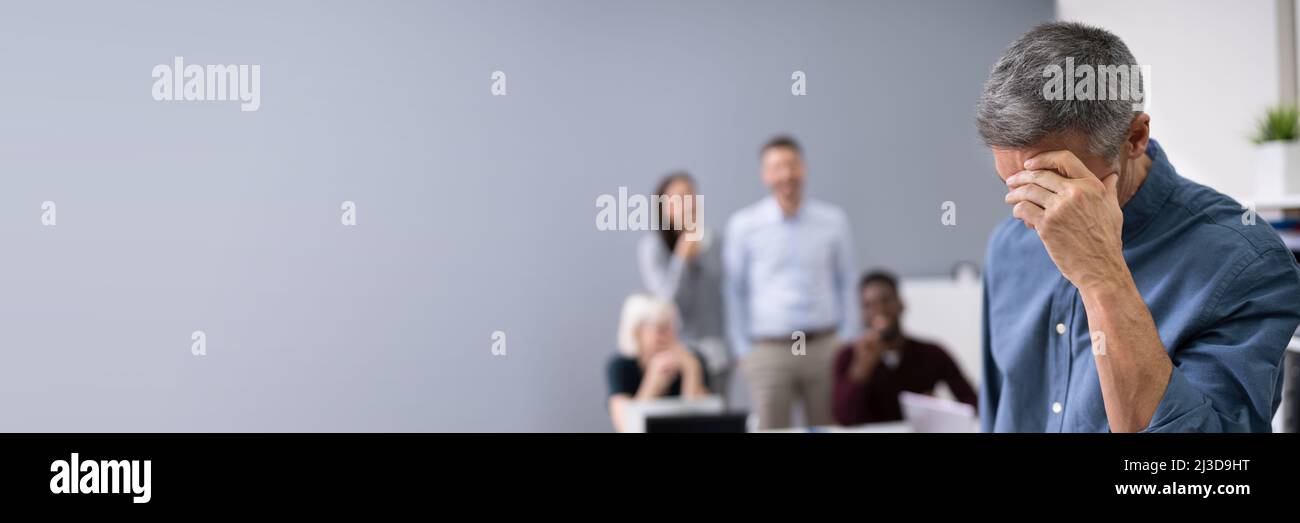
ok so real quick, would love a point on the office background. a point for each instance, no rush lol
(475, 213)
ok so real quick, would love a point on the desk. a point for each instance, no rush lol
(896, 427)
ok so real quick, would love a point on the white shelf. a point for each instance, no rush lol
(1276, 203)
(1291, 240)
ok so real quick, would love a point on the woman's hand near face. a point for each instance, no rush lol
(686, 361)
(660, 372)
(686, 249)
(692, 373)
(667, 366)
(668, 363)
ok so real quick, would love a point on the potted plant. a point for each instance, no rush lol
(1277, 138)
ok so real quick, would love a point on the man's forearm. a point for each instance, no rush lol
(1132, 364)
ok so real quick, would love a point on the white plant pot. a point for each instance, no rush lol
(1277, 172)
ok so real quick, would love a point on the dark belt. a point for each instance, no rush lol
(809, 336)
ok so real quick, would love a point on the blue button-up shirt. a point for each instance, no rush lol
(1224, 293)
(788, 273)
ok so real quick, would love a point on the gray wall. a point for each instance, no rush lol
(476, 213)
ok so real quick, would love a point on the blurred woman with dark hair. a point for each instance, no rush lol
(682, 263)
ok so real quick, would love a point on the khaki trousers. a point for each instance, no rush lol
(777, 378)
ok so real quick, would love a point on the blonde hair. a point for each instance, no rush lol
(638, 309)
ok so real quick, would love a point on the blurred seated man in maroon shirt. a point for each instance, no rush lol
(870, 372)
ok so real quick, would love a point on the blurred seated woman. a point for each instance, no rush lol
(652, 362)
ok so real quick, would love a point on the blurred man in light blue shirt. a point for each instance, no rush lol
(789, 293)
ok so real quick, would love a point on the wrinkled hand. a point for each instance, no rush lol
(1076, 215)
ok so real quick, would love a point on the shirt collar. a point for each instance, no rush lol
(1152, 195)
(901, 353)
(774, 211)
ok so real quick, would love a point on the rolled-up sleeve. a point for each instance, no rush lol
(1227, 378)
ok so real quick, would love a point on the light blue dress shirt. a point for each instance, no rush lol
(1225, 296)
(786, 274)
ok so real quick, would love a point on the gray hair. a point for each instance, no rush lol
(1015, 111)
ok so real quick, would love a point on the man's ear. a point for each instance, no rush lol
(1139, 133)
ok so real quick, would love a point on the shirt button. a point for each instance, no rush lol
(1060, 328)
(1056, 408)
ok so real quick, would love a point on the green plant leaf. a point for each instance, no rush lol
(1280, 124)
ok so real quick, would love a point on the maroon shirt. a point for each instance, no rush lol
(921, 365)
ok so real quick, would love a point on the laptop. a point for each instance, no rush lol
(726, 423)
(636, 414)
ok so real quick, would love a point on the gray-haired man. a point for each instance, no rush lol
(1131, 299)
